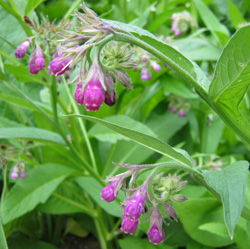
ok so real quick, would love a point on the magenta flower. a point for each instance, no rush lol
(33, 68)
(145, 74)
(22, 49)
(58, 67)
(108, 100)
(93, 94)
(155, 234)
(155, 66)
(134, 207)
(182, 113)
(39, 61)
(129, 226)
(108, 193)
(79, 94)
(14, 174)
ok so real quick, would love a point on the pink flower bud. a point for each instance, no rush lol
(22, 49)
(39, 61)
(182, 113)
(144, 58)
(33, 68)
(129, 226)
(170, 107)
(57, 66)
(155, 235)
(23, 174)
(79, 94)
(155, 66)
(108, 192)
(14, 174)
(134, 207)
(108, 100)
(93, 95)
(145, 74)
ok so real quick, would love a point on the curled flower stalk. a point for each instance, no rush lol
(156, 190)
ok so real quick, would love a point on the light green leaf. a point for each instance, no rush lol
(36, 188)
(145, 140)
(194, 212)
(4, 123)
(235, 14)
(31, 133)
(216, 228)
(3, 242)
(94, 188)
(31, 5)
(230, 183)
(231, 81)
(106, 135)
(213, 24)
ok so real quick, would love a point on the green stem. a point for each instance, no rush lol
(113, 234)
(111, 152)
(72, 8)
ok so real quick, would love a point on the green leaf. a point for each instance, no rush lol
(213, 24)
(3, 242)
(32, 134)
(31, 5)
(216, 228)
(36, 188)
(4, 123)
(231, 82)
(145, 140)
(235, 15)
(107, 135)
(94, 188)
(196, 212)
(211, 135)
(230, 183)
(74, 228)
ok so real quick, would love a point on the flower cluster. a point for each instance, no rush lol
(162, 192)
(181, 22)
(19, 168)
(178, 104)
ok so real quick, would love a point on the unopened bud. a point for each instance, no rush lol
(22, 49)
(179, 198)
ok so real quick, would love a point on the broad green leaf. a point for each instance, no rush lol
(31, 5)
(213, 24)
(36, 188)
(145, 140)
(216, 228)
(32, 134)
(132, 242)
(197, 49)
(3, 242)
(241, 236)
(231, 82)
(22, 74)
(196, 212)
(230, 184)
(94, 188)
(5, 122)
(211, 135)
(66, 199)
(235, 15)
(107, 135)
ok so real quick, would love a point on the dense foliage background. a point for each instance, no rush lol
(58, 204)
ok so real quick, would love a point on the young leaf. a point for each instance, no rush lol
(35, 189)
(231, 82)
(145, 140)
(230, 183)
(31, 133)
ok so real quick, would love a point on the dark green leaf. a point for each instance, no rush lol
(230, 183)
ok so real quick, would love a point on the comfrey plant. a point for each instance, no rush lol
(156, 190)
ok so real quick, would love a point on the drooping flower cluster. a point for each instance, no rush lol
(181, 22)
(162, 192)
(19, 169)
(178, 104)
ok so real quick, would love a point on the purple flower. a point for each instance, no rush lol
(33, 68)
(145, 74)
(93, 95)
(155, 66)
(182, 113)
(79, 94)
(39, 61)
(129, 226)
(22, 49)
(170, 107)
(155, 234)
(144, 58)
(108, 100)
(174, 110)
(23, 174)
(134, 207)
(58, 67)
(108, 193)
(14, 174)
